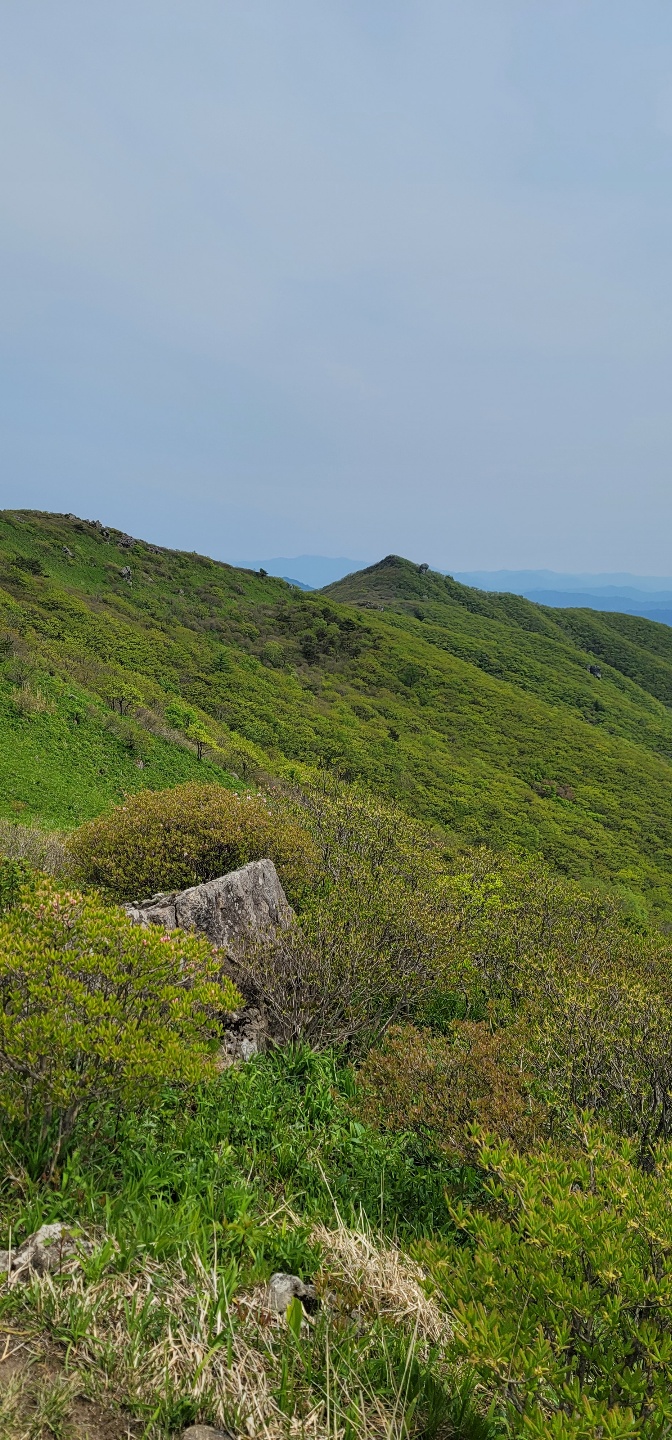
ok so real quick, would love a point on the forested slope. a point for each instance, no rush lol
(122, 661)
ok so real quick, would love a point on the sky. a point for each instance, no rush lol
(342, 277)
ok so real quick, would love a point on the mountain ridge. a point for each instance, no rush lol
(475, 712)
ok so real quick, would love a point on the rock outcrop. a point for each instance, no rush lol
(237, 909)
(246, 904)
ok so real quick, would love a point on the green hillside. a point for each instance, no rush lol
(120, 661)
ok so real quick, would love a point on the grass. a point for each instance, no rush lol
(195, 1207)
(474, 712)
(453, 1304)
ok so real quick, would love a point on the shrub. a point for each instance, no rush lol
(374, 935)
(42, 849)
(95, 1009)
(440, 1085)
(14, 875)
(562, 1293)
(603, 1041)
(365, 954)
(170, 839)
(596, 993)
(359, 836)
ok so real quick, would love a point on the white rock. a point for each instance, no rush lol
(283, 1288)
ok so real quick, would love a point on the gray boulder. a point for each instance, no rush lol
(205, 1432)
(244, 905)
(237, 909)
(43, 1252)
(283, 1288)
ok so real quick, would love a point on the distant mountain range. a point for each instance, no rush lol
(519, 581)
(647, 595)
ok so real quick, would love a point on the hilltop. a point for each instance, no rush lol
(124, 662)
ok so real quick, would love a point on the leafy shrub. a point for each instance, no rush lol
(440, 1085)
(170, 839)
(94, 1008)
(14, 874)
(603, 1041)
(362, 956)
(359, 835)
(595, 991)
(562, 1293)
(374, 935)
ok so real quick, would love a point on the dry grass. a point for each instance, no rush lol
(163, 1335)
(42, 1400)
(357, 1265)
(33, 1405)
(29, 700)
(166, 1337)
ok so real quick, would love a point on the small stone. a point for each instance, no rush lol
(205, 1432)
(69, 554)
(283, 1288)
(126, 573)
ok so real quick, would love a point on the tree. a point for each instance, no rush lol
(185, 718)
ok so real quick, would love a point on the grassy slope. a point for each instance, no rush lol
(454, 702)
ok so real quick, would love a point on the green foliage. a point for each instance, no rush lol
(251, 1148)
(170, 839)
(562, 1293)
(594, 992)
(372, 935)
(94, 1009)
(481, 716)
(14, 876)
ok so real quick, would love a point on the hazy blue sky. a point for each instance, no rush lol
(342, 276)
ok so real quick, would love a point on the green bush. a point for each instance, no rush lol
(364, 955)
(170, 839)
(562, 1292)
(595, 993)
(14, 875)
(374, 935)
(95, 1009)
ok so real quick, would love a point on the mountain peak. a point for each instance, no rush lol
(391, 580)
